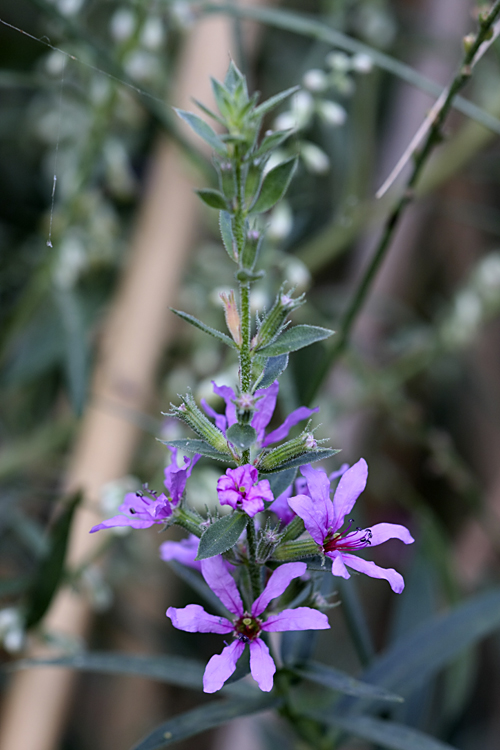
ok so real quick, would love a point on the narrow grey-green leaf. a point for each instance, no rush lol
(212, 198)
(234, 78)
(273, 369)
(295, 338)
(203, 327)
(385, 733)
(204, 130)
(241, 435)
(415, 658)
(209, 112)
(221, 535)
(204, 717)
(226, 231)
(307, 458)
(344, 683)
(274, 185)
(197, 445)
(281, 480)
(273, 101)
(271, 142)
(222, 97)
(50, 571)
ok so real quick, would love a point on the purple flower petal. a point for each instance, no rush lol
(395, 579)
(221, 667)
(338, 567)
(184, 551)
(318, 486)
(220, 419)
(281, 507)
(350, 487)
(222, 584)
(239, 489)
(176, 476)
(194, 619)
(122, 520)
(301, 618)
(303, 412)
(227, 393)
(338, 473)
(264, 408)
(381, 532)
(262, 665)
(277, 584)
(314, 514)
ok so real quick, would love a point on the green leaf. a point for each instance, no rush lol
(197, 446)
(203, 327)
(281, 480)
(274, 185)
(212, 198)
(221, 535)
(241, 435)
(209, 112)
(50, 571)
(204, 130)
(273, 369)
(295, 338)
(222, 98)
(306, 26)
(205, 717)
(415, 658)
(386, 733)
(307, 458)
(272, 141)
(234, 78)
(273, 102)
(226, 231)
(344, 683)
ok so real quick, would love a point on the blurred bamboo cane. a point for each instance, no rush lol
(137, 327)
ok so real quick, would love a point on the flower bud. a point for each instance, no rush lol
(315, 80)
(268, 540)
(273, 322)
(232, 316)
(314, 158)
(189, 413)
(299, 446)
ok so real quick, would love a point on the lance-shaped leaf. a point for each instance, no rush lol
(272, 370)
(221, 535)
(212, 198)
(50, 571)
(308, 457)
(205, 717)
(241, 435)
(272, 141)
(295, 338)
(385, 733)
(196, 445)
(203, 327)
(415, 658)
(226, 231)
(344, 683)
(281, 480)
(274, 185)
(273, 102)
(204, 130)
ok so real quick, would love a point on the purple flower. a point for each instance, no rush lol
(264, 409)
(140, 510)
(323, 519)
(281, 506)
(184, 551)
(246, 627)
(240, 489)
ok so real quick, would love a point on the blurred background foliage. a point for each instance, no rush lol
(416, 392)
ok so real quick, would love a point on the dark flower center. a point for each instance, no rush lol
(247, 628)
(347, 540)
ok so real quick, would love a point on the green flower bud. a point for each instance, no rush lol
(189, 413)
(299, 446)
(273, 322)
(268, 540)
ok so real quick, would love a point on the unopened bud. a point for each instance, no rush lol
(232, 316)
(268, 541)
(468, 42)
(274, 320)
(189, 413)
(277, 457)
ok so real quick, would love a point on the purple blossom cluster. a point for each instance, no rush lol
(309, 498)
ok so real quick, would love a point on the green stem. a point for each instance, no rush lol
(188, 520)
(434, 137)
(253, 566)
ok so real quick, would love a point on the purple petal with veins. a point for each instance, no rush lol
(262, 665)
(194, 619)
(368, 567)
(227, 393)
(301, 618)
(221, 667)
(222, 583)
(350, 487)
(278, 583)
(314, 513)
(264, 408)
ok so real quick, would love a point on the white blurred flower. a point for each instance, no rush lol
(122, 24)
(314, 158)
(281, 222)
(338, 61)
(315, 80)
(297, 274)
(71, 262)
(55, 62)
(153, 33)
(299, 115)
(141, 65)
(331, 112)
(69, 7)
(12, 634)
(362, 63)
(277, 157)
(487, 275)
(285, 121)
(258, 299)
